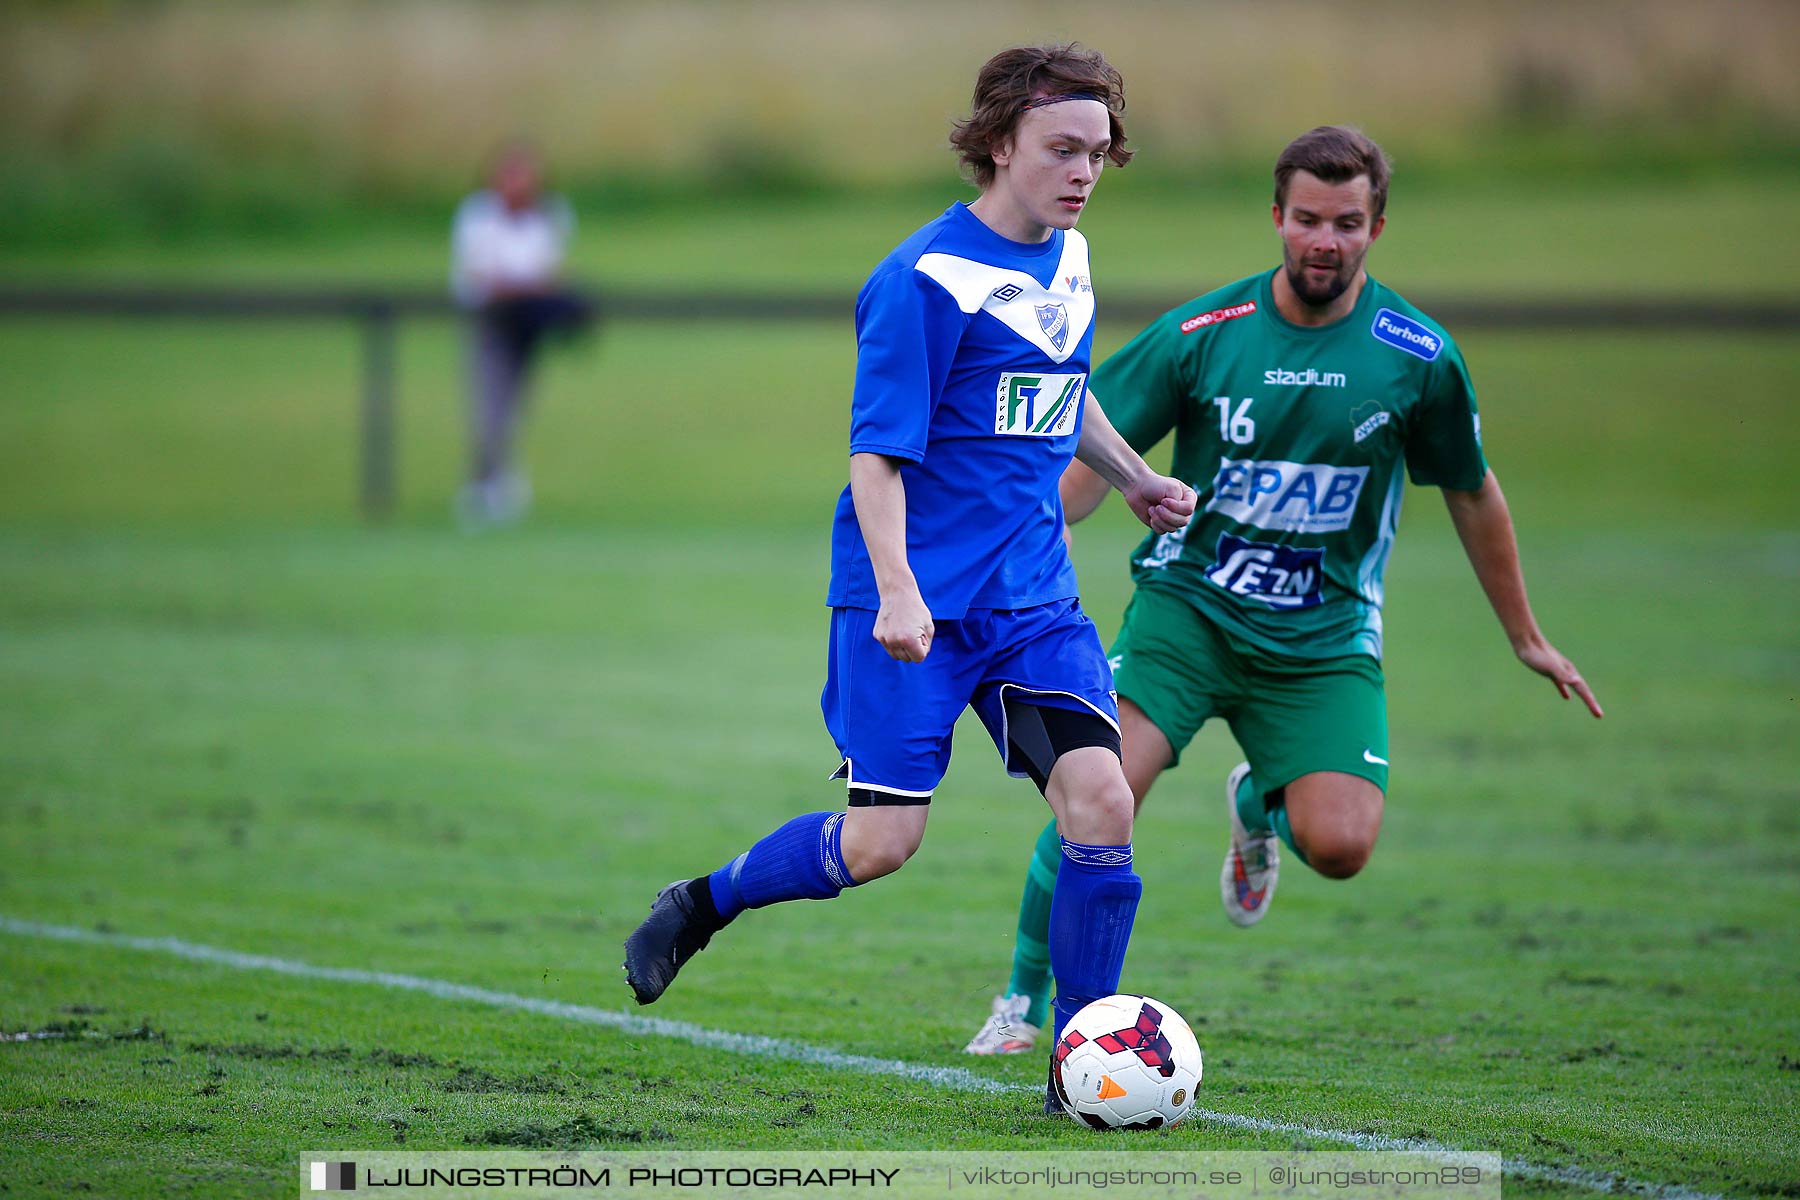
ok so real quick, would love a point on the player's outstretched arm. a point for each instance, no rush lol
(1162, 503)
(1082, 491)
(1484, 524)
(903, 624)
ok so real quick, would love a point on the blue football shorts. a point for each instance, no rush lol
(892, 720)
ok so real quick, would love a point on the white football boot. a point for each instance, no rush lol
(1006, 1030)
(1247, 882)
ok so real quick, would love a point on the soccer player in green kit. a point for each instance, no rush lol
(1300, 399)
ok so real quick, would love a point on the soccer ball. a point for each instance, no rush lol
(1126, 1062)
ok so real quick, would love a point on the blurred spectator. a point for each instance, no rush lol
(507, 250)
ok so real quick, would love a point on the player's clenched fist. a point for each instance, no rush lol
(903, 627)
(1162, 503)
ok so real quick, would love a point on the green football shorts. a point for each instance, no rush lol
(1291, 716)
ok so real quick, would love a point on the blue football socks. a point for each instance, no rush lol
(1096, 900)
(802, 860)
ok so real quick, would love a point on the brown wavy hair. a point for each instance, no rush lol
(1013, 78)
(1335, 154)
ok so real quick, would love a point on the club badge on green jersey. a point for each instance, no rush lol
(1037, 405)
(1368, 419)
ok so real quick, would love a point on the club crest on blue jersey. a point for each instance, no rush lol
(1053, 319)
(1406, 334)
(1282, 577)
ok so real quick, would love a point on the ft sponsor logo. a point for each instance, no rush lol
(1037, 405)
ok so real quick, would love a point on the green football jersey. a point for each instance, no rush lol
(1294, 438)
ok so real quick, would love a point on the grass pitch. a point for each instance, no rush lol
(473, 760)
(230, 715)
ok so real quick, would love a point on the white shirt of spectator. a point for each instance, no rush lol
(494, 248)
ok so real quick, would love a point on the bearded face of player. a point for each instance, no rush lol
(1326, 230)
(1045, 172)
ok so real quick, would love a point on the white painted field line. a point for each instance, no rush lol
(952, 1078)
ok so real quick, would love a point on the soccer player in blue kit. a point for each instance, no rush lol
(951, 586)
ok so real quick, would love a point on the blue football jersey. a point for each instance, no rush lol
(972, 356)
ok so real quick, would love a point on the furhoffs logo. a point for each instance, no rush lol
(1406, 334)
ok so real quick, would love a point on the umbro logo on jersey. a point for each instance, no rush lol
(1217, 315)
(1057, 322)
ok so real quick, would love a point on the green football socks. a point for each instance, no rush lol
(1031, 950)
(1250, 808)
(1258, 817)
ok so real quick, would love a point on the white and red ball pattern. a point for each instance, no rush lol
(1126, 1062)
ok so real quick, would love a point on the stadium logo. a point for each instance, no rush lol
(1407, 334)
(1297, 497)
(334, 1177)
(1217, 315)
(1007, 292)
(1311, 377)
(1053, 319)
(1282, 577)
(1038, 405)
(1078, 283)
